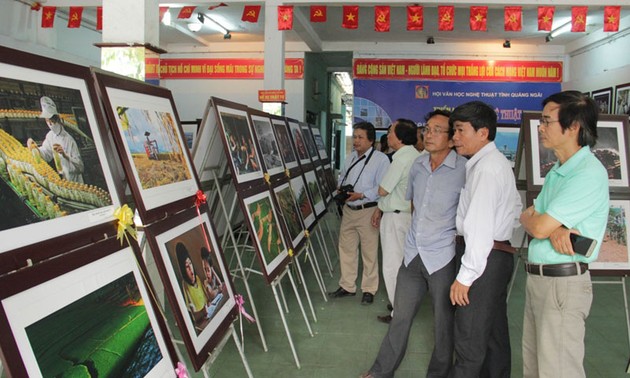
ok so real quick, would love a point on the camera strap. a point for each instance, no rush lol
(355, 163)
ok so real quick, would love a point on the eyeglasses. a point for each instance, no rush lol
(545, 122)
(427, 131)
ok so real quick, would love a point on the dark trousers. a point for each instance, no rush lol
(412, 283)
(482, 340)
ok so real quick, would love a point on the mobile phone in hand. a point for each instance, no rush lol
(583, 245)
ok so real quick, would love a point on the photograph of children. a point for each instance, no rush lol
(316, 194)
(603, 98)
(284, 142)
(310, 142)
(506, 141)
(153, 142)
(622, 99)
(240, 143)
(200, 284)
(300, 194)
(298, 142)
(268, 145)
(290, 212)
(52, 160)
(263, 221)
(111, 321)
(614, 250)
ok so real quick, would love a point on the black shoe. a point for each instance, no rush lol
(390, 307)
(384, 318)
(341, 292)
(367, 299)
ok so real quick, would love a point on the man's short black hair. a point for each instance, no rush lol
(406, 131)
(575, 107)
(479, 114)
(369, 129)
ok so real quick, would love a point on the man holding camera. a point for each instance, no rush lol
(394, 209)
(573, 200)
(363, 171)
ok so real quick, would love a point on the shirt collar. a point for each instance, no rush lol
(573, 161)
(485, 150)
(450, 160)
(403, 150)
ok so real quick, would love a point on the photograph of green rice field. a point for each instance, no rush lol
(266, 228)
(104, 334)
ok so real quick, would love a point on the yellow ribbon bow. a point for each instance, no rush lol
(125, 222)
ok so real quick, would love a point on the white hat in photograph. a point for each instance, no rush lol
(49, 108)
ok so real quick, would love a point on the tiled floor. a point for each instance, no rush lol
(347, 335)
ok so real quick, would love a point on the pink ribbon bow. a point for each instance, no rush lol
(240, 302)
(181, 371)
(200, 198)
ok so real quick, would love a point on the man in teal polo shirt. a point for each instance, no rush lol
(574, 199)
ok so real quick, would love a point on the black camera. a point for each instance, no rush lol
(344, 192)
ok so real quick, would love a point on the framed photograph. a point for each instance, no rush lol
(506, 141)
(316, 194)
(196, 280)
(603, 98)
(238, 141)
(381, 133)
(299, 143)
(284, 142)
(622, 99)
(319, 143)
(58, 179)
(320, 174)
(290, 213)
(190, 132)
(150, 143)
(266, 234)
(207, 151)
(310, 142)
(300, 193)
(614, 255)
(266, 139)
(610, 149)
(331, 181)
(88, 310)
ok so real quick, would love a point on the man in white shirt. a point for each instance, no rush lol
(488, 210)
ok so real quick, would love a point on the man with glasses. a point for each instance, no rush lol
(435, 182)
(394, 209)
(573, 200)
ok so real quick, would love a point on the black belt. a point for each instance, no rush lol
(503, 246)
(556, 270)
(364, 206)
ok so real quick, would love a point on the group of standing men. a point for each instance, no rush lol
(446, 218)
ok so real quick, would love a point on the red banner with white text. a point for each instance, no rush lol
(224, 68)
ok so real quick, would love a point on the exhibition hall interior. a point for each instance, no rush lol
(170, 178)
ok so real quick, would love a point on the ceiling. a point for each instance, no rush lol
(317, 35)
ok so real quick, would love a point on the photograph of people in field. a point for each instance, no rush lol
(155, 147)
(288, 207)
(615, 243)
(241, 144)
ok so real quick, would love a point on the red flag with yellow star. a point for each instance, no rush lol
(611, 18)
(381, 18)
(285, 17)
(415, 17)
(99, 18)
(446, 17)
(251, 13)
(350, 17)
(163, 11)
(578, 19)
(478, 18)
(48, 16)
(318, 13)
(513, 18)
(545, 18)
(186, 12)
(74, 17)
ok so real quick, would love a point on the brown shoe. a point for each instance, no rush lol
(384, 318)
(366, 375)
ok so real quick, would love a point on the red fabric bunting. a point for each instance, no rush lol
(513, 18)
(478, 18)
(251, 13)
(578, 19)
(99, 18)
(415, 17)
(611, 18)
(216, 6)
(350, 17)
(545, 18)
(381, 18)
(163, 11)
(48, 17)
(285, 17)
(186, 12)
(318, 13)
(446, 17)
(74, 17)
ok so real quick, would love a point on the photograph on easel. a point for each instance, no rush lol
(55, 176)
(266, 139)
(266, 233)
(614, 253)
(284, 142)
(86, 312)
(299, 143)
(316, 194)
(310, 142)
(196, 279)
(290, 212)
(303, 201)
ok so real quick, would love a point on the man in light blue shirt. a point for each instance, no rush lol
(435, 182)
